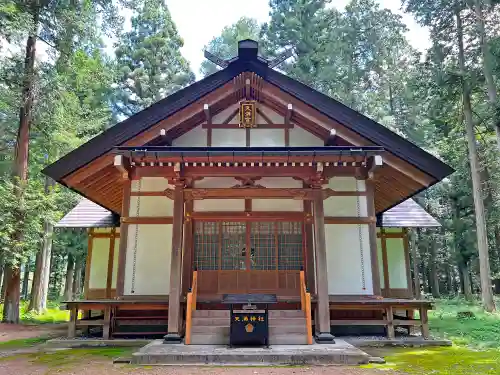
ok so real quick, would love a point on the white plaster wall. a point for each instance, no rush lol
(267, 137)
(221, 116)
(151, 184)
(152, 273)
(380, 263)
(343, 257)
(277, 205)
(193, 138)
(228, 137)
(301, 137)
(341, 183)
(216, 182)
(207, 205)
(346, 206)
(115, 263)
(273, 116)
(396, 263)
(99, 263)
(151, 206)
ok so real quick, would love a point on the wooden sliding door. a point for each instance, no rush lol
(248, 257)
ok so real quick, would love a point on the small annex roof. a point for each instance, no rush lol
(87, 214)
(407, 214)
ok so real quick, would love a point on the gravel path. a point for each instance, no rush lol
(21, 331)
(21, 366)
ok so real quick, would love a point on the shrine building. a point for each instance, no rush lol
(247, 182)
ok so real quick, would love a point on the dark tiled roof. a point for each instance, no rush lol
(407, 214)
(248, 61)
(87, 214)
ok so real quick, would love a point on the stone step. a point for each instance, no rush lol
(209, 339)
(288, 339)
(287, 329)
(158, 353)
(286, 321)
(210, 329)
(210, 321)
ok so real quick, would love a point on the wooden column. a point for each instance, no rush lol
(372, 234)
(174, 308)
(309, 246)
(122, 254)
(111, 257)
(187, 251)
(323, 322)
(385, 263)
(90, 242)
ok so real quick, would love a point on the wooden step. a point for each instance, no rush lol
(142, 322)
(211, 314)
(210, 321)
(287, 329)
(279, 314)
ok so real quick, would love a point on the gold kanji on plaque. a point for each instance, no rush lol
(248, 115)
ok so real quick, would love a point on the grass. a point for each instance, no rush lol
(51, 315)
(482, 332)
(439, 361)
(476, 342)
(22, 343)
(79, 355)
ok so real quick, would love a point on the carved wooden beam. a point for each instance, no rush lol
(147, 220)
(249, 193)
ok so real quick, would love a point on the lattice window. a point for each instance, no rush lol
(233, 251)
(263, 246)
(206, 245)
(290, 246)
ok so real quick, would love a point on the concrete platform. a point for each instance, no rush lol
(340, 353)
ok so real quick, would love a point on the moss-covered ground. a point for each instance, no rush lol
(51, 315)
(476, 344)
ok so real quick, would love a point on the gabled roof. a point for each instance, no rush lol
(87, 214)
(407, 214)
(248, 61)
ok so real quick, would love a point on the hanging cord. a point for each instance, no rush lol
(360, 234)
(137, 212)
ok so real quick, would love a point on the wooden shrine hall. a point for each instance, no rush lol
(247, 182)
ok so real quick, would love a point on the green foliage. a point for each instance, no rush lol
(53, 314)
(225, 45)
(479, 333)
(22, 343)
(149, 60)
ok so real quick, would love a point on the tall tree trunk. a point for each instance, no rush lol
(414, 258)
(38, 301)
(466, 282)
(12, 295)
(26, 279)
(77, 279)
(434, 279)
(36, 284)
(482, 238)
(487, 67)
(47, 251)
(20, 165)
(4, 283)
(68, 285)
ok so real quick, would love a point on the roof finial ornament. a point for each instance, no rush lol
(216, 59)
